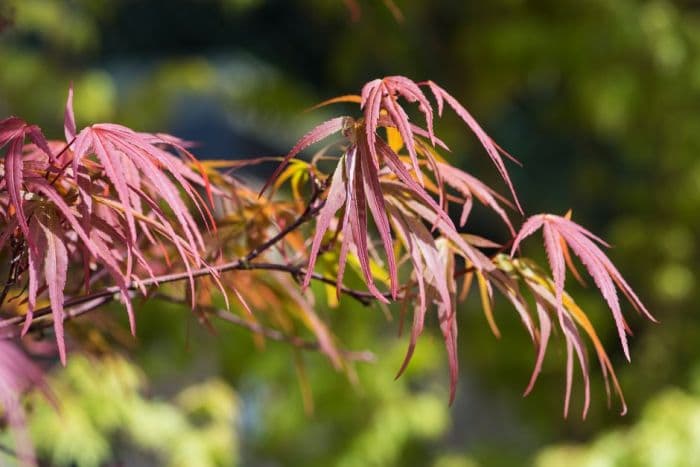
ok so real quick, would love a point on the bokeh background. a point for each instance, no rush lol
(601, 102)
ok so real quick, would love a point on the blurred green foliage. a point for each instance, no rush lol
(667, 433)
(599, 99)
(100, 412)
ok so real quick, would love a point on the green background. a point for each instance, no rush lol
(601, 102)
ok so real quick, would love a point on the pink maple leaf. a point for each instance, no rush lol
(560, 232)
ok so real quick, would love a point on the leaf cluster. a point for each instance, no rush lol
(112, 213)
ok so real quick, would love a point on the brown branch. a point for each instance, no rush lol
(272, 334)
(78, 306)
(225, 315)
(109, 293)
(364, 298)
(45, 320)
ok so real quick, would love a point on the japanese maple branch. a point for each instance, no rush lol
(297, 272)
(91, 301)
(81, 305)
(272, 334)
(224, 315)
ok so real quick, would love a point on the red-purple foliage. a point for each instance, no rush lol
(372, 180)
(108, 194)
(132, 211)
(17, 375)
(560, 232)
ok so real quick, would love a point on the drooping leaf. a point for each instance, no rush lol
(494, 151)
(19, 374)
(583, 244)
(13, 132)
(55, 271)
(334, 201)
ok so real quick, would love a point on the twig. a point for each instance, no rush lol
(109, 293)
(8, 451)
(272, 334)
(78, 306)
(364, 298)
